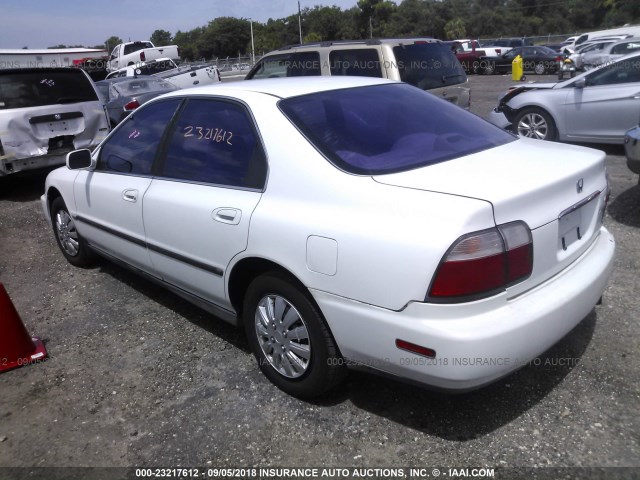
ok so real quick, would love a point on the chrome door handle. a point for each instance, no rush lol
(130, 195)
(230, 216)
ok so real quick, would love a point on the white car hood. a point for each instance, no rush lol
(529, 180)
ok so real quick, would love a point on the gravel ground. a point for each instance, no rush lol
(138, 377)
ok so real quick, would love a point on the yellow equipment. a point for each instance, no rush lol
(517, 69)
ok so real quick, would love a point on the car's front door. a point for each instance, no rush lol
(608, 105)
(109, 199)
(197, 210)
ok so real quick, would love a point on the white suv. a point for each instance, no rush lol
(425, 63)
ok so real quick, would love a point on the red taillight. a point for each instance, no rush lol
(413, 348)
(132, 105)
(481, 263)
(143, 57)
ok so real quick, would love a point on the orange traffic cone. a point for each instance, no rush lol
(17, 348)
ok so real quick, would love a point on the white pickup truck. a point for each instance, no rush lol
(132, 53)
(183, 76)
(490, 51)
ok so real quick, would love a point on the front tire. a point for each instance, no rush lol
(73, 246)
(489, 68)
(289, 337)
(535, 123)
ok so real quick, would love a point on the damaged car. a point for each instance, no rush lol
(46, 113)
(598, 106)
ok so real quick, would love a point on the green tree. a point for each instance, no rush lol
(225, 37)
(111, 42)
(160, 38)
(324, 22)
(188, 43)
(374, 15)
(455, 28)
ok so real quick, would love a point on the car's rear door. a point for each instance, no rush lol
(109, 199)
(197, 209)
(608, 105)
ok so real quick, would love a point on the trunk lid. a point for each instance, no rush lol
(557, 190)
(527, 180)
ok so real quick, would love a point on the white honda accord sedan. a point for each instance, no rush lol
(347, 222)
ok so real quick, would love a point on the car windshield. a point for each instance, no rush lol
(428, 65)
(389, 128)
(37, 87)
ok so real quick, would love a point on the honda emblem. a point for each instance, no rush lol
(579, 185)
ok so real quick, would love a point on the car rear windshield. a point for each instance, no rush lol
(388, 128)
(135, 46)
(38, 87)
(428, 65)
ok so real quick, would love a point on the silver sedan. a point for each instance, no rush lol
(598, 106)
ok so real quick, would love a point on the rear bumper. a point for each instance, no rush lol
(475, 343)
(15, 165)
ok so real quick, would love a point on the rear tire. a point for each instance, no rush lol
(72, 245)
(533, 122)
(540, 69)
(289, 337)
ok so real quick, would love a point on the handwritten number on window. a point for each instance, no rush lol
(218, 135)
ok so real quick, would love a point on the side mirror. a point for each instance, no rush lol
(580, 83)
(79, 159)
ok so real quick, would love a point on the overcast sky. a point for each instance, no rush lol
(44, 23)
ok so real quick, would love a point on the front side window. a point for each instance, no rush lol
(132, 147)
(627, 71)
(388, 128)
(625, 48)
(359, 62)
(214, 141)
(428, 65)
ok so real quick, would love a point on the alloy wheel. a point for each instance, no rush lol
(283, 336)
(533, 125)
(67, 233)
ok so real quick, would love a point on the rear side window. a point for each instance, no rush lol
(133, 145)
(359, 62)
(214, 142)
(428, 65)
(299, 64)
(389, 128)
(38, 87)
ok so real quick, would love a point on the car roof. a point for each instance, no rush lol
(285, 87)
(346, 43)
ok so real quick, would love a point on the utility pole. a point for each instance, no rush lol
(300, 22)
(253, 47)
(370, 27)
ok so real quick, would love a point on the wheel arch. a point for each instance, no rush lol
(539, 106)
(249, 268)
(52, 194)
